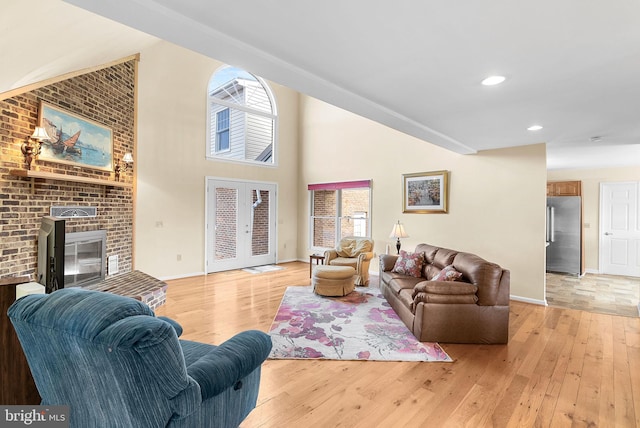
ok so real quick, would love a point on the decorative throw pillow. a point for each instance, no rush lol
(409, 264)
(448, 273)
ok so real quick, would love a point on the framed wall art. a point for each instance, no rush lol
(425, 192)
(75, 140)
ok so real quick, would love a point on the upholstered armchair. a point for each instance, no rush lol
(352, 251)
(115, 364)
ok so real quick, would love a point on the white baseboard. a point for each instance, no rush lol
(185, 275)
(528, 300)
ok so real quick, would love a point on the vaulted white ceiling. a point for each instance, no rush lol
(571, 66)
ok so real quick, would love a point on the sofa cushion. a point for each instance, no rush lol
(448, 273)
(406, 298)
(403, 282)
(409, 264)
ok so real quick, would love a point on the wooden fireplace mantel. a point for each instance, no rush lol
(24, 173)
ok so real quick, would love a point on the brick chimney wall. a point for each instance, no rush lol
(106, 96)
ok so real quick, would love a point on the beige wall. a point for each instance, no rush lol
(591, 179)
(171, 165)
(497, 198)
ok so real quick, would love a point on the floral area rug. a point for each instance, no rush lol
(359, 326)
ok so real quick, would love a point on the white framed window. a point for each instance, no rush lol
(242, 118)
(339, 210)
(222, 130)
(360, 223)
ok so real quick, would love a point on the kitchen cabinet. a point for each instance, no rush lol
(564, 188)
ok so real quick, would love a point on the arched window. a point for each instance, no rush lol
(242, 117)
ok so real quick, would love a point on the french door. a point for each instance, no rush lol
(620, 228)
(241, 227)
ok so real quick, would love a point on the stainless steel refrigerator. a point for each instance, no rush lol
(564, 224)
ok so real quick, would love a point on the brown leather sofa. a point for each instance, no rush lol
(473, 309)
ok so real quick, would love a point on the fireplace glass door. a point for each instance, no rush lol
(84, 256)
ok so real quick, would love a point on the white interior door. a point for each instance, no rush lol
(241, 227)
(620, 228)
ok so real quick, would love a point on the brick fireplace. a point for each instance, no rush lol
(105, 95)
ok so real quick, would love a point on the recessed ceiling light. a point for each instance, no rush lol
(493, 80)
(534, 128)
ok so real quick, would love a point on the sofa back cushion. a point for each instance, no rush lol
(436, 259)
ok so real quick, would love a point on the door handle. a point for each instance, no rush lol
(608, 233)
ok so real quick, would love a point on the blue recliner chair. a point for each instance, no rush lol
(117, 365)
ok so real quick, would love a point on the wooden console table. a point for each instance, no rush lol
(17, 386)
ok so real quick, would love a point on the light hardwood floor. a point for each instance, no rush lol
(562, 367)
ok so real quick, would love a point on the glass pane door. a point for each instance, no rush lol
(241, 225)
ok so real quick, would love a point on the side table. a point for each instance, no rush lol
(17, 386)
(319, 260)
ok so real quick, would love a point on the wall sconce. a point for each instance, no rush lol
(398, 232)
(28, 150)
(127, 159)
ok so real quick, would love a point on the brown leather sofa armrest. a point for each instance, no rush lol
(445, 288)
(387, 262)
(420, 287)
(422, 297)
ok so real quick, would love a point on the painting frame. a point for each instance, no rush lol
(75, 140)
(425, 192)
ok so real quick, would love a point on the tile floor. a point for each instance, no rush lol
(618, 295)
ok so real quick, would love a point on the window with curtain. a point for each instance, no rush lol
(339, 210)
(242, 117)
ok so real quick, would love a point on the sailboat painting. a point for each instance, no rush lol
(75, 140)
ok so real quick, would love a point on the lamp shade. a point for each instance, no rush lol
(398, 231)
(127, 158)
(40, 134)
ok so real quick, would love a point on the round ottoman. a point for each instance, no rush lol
(333, 280)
